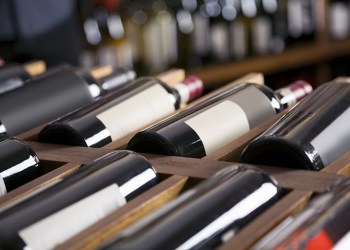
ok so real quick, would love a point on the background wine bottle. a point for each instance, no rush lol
(114, 117)
(48, 98)
(205, 216)
(312, 135)
(18, 164)
(57, 212)
(323, 223)
(203, 129)
(14, 75)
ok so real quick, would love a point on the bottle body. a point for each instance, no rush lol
(307, 136)
(12, 76)
(205, 216)
(207, 127)
(116, 116)
(58, 92)
(46, 99)
(18, 164)
(323, 222)
(75, 202)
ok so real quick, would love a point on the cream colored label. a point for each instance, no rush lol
(137, 111)
(62, 225)
(219, 125)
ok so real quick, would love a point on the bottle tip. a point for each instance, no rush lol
(301, 89)
(195, 86)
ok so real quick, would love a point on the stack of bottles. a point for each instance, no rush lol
(152, 36)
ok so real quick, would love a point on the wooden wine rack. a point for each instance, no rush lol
(178, 174)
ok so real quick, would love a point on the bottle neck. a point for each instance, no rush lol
(293, 93)
(191, 88)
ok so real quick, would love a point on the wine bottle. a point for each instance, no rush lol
(312, 135)
(203, 129)
(56, 213)
(262, 28)
(14, 75)
(18, 164)
(48, 98)
(219, 35)
(239, 30)
(205, 216)
(322, 224)
(338, 19)
(112, 118)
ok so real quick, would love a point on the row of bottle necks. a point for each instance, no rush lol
(155, 35)
(307, 129)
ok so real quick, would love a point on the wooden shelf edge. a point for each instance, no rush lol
(302, 55)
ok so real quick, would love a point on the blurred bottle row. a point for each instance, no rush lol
(152, 36)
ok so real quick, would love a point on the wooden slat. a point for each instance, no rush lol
(63, 153)
(127, 215)
(200, 168)
(290, 204)
(340, 166)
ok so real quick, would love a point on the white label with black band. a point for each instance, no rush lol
(62, 225)
(219, 125)
(137, 111)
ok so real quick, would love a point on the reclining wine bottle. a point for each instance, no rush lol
(322, 224)
(18, 164)
(113, 117)
(205, 216)
(14, 75)
(48, 98)
(213, 124)
(56, 213)
(312, 135)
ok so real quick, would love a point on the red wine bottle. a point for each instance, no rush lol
(116, 116)
(56, 213)
(47, 98)
(205, 216)
(324, 223)
(14, 75)
(18, 164)
(213, 124)
(312, 135)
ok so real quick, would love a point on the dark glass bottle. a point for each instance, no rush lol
(205, 216)
(312, 135)
(324, 223)
(56, 213)
(18, 164)
(215, 123)
(14, 75)
(113, 117)
(48, 98)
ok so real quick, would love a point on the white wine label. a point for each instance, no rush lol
(333, 141)
(62, 225)
(343, 243)
(219, 125)
(3, 189)
(137, 111)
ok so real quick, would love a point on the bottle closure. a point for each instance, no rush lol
(191, 88)
(293, 93)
